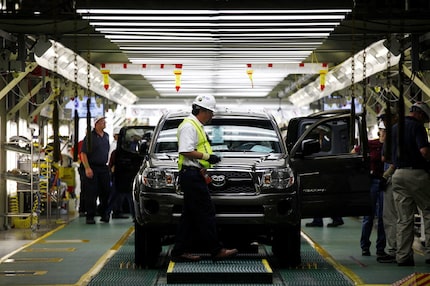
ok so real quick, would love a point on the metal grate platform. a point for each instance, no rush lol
(229, 271)
(120, 270)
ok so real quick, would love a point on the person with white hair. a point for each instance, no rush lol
(411, 180)
(114, 142)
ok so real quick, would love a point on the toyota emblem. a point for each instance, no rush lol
(218, 180)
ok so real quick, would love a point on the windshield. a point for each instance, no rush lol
(227, 136)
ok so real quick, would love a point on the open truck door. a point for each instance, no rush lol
(332, 178)
(131, 148)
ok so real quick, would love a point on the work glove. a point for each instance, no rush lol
(389, 172)
(213, 159)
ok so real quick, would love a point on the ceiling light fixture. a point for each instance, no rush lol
(340, 77)
(211, 43)
(102, 25)
(45, 55)
(200, 12)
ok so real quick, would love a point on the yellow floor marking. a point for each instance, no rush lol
(31, 243)
(65, 241)
(170, 267)
(416, 279)
(267, 266)
(16, 260)
(66, 249)
(86, 278)
(22, 273)
(348, 272)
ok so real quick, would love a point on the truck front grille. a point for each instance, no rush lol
(231, 183)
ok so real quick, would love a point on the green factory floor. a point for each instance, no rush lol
(78, 254)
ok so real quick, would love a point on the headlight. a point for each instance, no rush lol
(277, 179)
(158, 178)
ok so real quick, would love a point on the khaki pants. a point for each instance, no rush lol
(411, 189)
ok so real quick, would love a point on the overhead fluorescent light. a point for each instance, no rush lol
(341, 76)
(217, 17)
(57, 58)
(220, 30)
(200, 12)
(112, 25)
(214, 42)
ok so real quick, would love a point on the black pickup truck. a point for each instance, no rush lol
(264, 185)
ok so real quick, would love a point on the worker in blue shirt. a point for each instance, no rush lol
(97, 177)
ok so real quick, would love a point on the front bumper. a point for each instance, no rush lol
(262, 209)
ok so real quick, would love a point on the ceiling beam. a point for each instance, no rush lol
(28, 69)
(418, 82)
(26, 98)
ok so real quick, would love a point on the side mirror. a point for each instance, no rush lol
(310, 146)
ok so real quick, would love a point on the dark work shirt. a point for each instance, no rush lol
(414, 138)
(99, 149)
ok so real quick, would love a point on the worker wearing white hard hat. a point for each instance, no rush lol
(96, 181)
(195, 155)
(116, 131)
(381, 131)
(423, 111)
(411, 180)
(205, 101)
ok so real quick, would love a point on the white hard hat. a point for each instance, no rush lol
(205, 101)
(99, 117)
(423, 107)
(381, 125)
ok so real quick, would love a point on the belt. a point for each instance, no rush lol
(190, 168)
(98, 165)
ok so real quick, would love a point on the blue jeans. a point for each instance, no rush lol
(377, 200)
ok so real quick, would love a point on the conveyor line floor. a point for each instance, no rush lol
(78, 254)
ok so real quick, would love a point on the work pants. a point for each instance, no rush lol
(97, 187)
(198, 215)
(376, 198)
(411, 190)
(390, 219)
